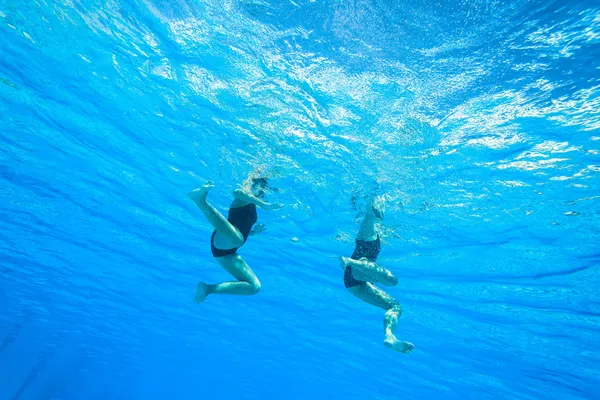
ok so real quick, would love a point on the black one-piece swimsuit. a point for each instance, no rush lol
(368, 249)
(243, 218)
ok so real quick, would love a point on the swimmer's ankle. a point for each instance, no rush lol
(202, 291)
(198, 196)
(343, 262)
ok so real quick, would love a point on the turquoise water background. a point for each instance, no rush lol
(480, 120)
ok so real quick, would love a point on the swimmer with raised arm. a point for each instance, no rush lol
(231, 233)
(361, 272)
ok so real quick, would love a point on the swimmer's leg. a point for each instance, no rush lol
(377, 297)
(216, 219)
(247, 283)
(364, 270)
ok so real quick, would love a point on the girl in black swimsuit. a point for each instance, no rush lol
(360, 272)
(230, 234)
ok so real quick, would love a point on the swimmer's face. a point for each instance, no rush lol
(260, 187)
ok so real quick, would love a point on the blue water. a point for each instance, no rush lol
(479, 119)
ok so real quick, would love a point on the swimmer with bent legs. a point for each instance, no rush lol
(231, 233)
(361, 272)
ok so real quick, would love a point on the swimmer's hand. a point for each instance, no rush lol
(258, 228)
(271, 206)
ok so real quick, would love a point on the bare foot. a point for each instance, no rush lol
(198, 196)
(392, 343)
(363, 262)
(201, 292)
(344, 262)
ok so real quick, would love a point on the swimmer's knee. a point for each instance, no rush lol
(395, 307)
(255, 287)
(387, 278)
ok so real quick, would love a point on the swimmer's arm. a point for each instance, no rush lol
(246, 197)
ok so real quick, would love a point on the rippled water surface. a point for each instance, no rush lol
(479, 120)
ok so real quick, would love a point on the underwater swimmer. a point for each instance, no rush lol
(231, 233)
(361, 272)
